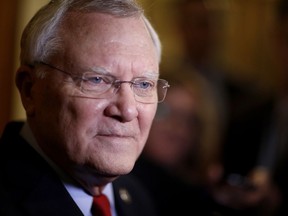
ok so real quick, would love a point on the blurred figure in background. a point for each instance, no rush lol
(196, 22)
(263, 189)
(242, 182)
(280, 174)
(182, 149)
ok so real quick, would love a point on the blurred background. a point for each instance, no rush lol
(242, 29)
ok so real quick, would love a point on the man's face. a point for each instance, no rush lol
(104, 136)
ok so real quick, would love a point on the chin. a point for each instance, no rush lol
(123, 169)
(115, 168)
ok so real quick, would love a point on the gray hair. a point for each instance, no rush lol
(40, 39)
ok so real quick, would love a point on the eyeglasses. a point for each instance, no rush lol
(102, 86)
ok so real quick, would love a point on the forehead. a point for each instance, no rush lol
(80, 23)
(90, 35)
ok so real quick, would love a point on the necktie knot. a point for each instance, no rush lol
(101, 206)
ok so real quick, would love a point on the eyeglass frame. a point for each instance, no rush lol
(115, 84)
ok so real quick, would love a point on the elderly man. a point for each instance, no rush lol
(89, 82)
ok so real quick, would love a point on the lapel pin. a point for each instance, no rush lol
(125, 196)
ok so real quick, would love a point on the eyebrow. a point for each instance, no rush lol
(152, 75)
(100, 70)
(103, 71)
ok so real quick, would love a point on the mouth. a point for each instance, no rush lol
(120, 136)
(118, 142)
(113, 136)
(113, 132)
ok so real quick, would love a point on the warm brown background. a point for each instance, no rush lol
(8, 19)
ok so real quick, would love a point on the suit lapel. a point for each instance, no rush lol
(123, 201)
(44, 201)
(131, 198)
(34, 187)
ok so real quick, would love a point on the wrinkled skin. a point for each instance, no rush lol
(94, 140)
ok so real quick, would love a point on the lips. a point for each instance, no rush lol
(114, 135)
(121, 132)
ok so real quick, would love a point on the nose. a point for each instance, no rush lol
(123, 105)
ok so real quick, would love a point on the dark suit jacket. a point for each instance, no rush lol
(29, 186)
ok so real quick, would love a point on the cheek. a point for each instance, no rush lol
(47, 104)
(58, 105)
(79, 120)
(81, 114)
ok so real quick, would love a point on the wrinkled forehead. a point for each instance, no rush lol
(103, 28)
(99, 35)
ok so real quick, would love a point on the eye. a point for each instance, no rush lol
(144, 84)
(95, 82)
(95, 79)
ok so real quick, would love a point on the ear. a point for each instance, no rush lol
(25, 80)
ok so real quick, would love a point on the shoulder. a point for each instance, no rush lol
(11, 129)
